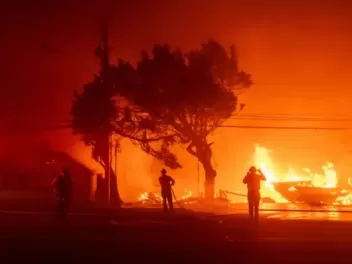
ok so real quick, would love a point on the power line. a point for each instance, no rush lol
(69, 126)
(289, 115)
(290, 119)
(285, 128)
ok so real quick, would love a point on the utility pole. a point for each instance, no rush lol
(198, 178)
(116, 148)
(103, 51)
(105, 54)
(108, 172)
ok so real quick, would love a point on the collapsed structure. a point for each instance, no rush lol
(297, 192)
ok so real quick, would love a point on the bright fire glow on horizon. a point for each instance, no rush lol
(327, 179)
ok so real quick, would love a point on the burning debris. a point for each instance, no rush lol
(305, 192)
(150, 199)
(154, 199)
(305, 187)
(312, 188)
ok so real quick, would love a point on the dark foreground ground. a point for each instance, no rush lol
(148, 236)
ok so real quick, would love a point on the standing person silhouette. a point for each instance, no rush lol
(166, 183)
(63, 189)
(253, 179)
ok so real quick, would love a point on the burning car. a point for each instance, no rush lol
(305, 192)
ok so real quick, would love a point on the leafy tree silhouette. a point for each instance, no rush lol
(92, 111)
(97, 114)
(181, 98)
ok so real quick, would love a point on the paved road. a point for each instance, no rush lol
(184, 237)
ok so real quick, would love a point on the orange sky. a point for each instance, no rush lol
(297, 51)
(293, 50)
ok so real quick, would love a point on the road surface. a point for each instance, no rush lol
(185, 237)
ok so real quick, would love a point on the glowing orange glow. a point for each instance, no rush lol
(294, 74)
(261, 159)
(327, 179)
(187, 194)
(145, 196)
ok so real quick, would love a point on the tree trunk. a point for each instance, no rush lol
(110, 175)
(209, 183)
(115, 198)
(204, 154)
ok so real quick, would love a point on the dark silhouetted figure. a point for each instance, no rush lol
(99, 192)
(63, 189)
(166, 183)
(253, 180)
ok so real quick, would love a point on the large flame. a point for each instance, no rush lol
(261, 159)
(327, 179)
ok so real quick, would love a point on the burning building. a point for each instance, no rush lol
(33, 170)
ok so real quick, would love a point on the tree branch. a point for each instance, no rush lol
(214, 126)
(190, 149)
(163, 154)
(145, 139)
(100, 163)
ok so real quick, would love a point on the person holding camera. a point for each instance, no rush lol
(253, 179)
